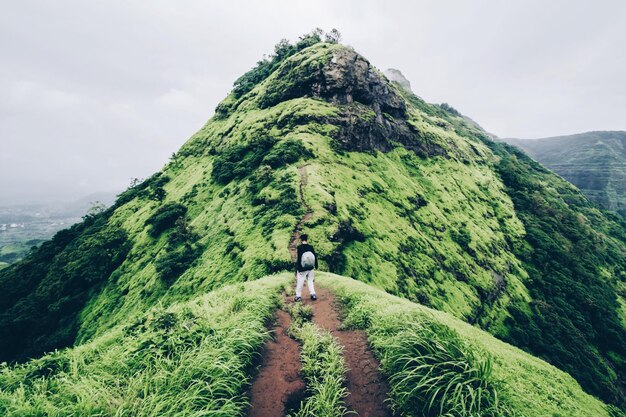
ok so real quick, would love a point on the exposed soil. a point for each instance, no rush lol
(366, 386)
(295, 236)
(279, 385)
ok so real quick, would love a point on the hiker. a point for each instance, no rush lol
(306, 262)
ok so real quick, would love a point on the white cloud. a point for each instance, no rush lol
(28, 94)
(177, 99)
(106, 91)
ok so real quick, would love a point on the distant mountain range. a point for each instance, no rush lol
(23, 226)
(595, 162)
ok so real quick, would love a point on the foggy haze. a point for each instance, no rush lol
(95, 93)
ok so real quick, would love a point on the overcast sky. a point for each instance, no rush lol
(93, 93)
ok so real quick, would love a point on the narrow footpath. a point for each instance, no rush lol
(279, 384)
(295, 236)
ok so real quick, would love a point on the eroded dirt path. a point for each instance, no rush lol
(366, 386)
(295, 236)
(278, 385)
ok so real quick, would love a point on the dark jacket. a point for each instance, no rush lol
(305, 247)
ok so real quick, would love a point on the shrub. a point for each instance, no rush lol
(462, 237)
(176, 261)
(286, 152)
(165, 217)
(450, 109)
(267, 66)
(151, 188)
(181, 251)
(240, 160)
(182, 233)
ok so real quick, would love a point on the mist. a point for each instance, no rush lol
(93, 94)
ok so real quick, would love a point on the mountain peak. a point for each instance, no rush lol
(335, 73)
(369, 112)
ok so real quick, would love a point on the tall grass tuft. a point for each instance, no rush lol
(430, 370)
(432, 373)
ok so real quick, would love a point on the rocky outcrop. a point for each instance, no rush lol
(373, 115)
(348, 77)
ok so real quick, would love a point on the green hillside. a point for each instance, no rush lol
(140, 368)
(595, 162)
(405, 196)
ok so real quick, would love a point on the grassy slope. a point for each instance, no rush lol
(206, 345)
(190, 359)
(404, 240)
(530, 386)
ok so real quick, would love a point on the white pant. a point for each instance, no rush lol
(300, 276)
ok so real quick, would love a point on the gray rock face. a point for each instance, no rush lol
(396, 76)
(373, 116)
(349, 77)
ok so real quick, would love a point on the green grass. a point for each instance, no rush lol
(323, 366)
(425, 352)
(194, 358)
(191, 359)
(432, 372)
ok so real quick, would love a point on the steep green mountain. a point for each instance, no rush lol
(403, 195)
(595, 162)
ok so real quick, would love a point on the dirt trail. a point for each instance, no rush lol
(295, 236)
(367, 389)
(279, 385)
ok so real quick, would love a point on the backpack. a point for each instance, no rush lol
(307, 260)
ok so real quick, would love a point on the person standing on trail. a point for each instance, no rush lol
(305, 264)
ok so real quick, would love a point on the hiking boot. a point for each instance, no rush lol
(313, 297)
(298, 299)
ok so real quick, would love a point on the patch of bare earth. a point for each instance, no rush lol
(279, 385)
